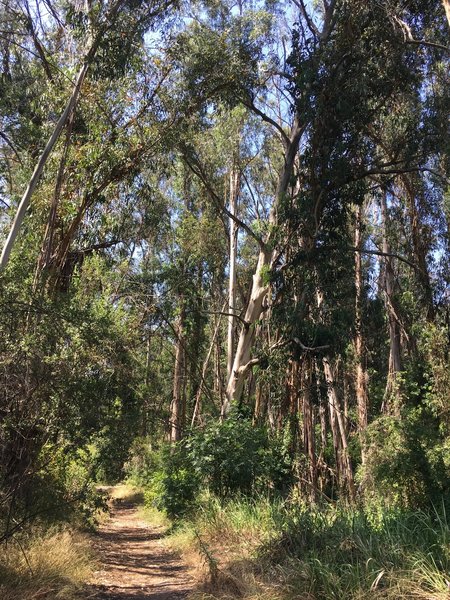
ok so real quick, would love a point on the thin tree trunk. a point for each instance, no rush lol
(309, 427)
(322, 478)
(234, 193)
(419, 247)
(177, 409)
(392, 392)
(361, 373)
(145, 403)
(336, 415)
(197, 406)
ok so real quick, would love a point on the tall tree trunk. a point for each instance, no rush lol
(177, 408)
(419, 246)
(196, 415)
(446, 4)
(260, 410)
(339, 430)
(145, 403)
(321, 465)
(361, 373)
(241, 361)
(391, 400)
(309, 427)
(234, 193)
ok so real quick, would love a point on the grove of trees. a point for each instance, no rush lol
(225, 229)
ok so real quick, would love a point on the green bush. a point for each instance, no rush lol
(231, 457)
(235, 456)
(173, 486)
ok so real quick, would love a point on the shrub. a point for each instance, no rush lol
(235, 456)
(56, 564)
(178, 482)
(232, 457)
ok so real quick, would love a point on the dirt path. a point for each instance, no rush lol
(134, 564)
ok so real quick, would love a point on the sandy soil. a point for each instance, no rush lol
(134, 564)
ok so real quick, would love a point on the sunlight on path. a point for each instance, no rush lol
(134, 564)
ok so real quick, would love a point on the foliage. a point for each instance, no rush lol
(325, 123)
(277, 550)
(236, 457)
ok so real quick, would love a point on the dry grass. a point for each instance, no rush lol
(153, 516)
(123, 494)
(51, 566)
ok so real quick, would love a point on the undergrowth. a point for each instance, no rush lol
(45, 566)
(263, 549)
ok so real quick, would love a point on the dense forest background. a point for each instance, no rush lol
(225, 266)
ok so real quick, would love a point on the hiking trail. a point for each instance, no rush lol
(133, 562)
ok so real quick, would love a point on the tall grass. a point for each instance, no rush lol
(285, 551)
(49, 566)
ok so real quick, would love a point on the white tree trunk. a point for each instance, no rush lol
(24, 203)
(242, 362)
(242, 355)
(391, 400)
(446, 4)
(234, 193)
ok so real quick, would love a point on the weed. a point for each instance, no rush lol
(49, 566)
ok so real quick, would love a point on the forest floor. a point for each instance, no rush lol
(134, 563)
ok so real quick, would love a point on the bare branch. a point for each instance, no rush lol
(285, 139)
(311, 26)
(389, 255)
(308, 348)
(409, 38)
(251, 363)
(197, 170)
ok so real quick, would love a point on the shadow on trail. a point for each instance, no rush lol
(134, 563)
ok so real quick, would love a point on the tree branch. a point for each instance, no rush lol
(197, 170)
(308, 348)
(311, 26)
(387, 254)
(285, 138)
(244, 368)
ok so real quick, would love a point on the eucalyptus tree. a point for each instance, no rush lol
(100, 35)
